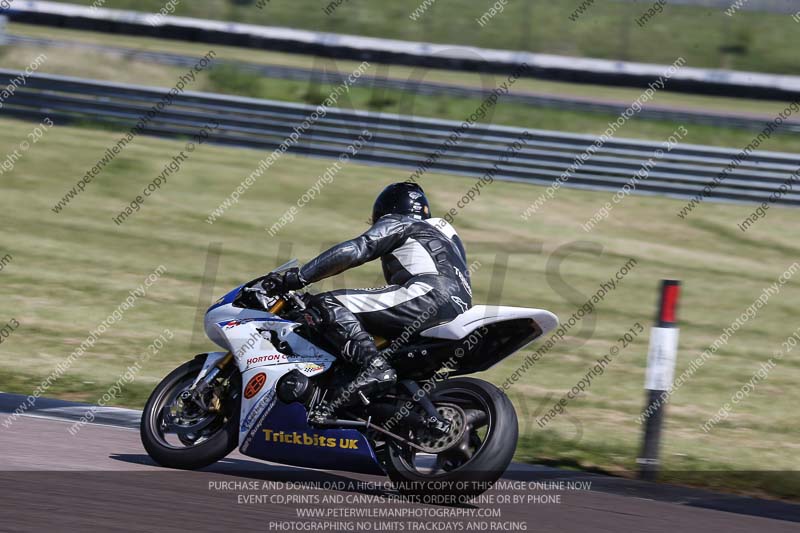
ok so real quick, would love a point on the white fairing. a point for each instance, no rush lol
(246, 334)
(482, 315)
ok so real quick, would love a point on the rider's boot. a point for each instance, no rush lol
(342, 328)
(375, 377)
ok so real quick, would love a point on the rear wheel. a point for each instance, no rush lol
(180, 429)
(471, 456)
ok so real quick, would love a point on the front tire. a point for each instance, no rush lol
(219, 437)
(480, 460)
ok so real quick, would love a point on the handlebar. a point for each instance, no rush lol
(281, 298)
(263, 295)
(259, 290)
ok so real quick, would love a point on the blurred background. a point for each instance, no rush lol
(81, 76)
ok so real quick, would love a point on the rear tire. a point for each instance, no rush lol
(216, 447)
(482, 469)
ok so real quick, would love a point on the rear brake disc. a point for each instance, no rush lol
(435, 442)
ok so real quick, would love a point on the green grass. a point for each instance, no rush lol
(765, 42)
(229, 80)
(72, 269)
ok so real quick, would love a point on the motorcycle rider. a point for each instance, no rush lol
(424, 264)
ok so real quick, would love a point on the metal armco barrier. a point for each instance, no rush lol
(406, 141)
(418, 86)
(393, 51)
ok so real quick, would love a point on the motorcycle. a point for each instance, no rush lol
(433, 432)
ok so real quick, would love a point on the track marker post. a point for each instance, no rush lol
(661, 357)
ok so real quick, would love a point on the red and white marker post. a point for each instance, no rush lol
(661, 357)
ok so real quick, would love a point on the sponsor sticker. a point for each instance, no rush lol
(311, 368)
(265, 358)
(254, 385)
(306, 439)
(260, 408)
(228, 324)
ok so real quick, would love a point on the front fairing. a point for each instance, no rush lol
(235, 305)
(227, 299)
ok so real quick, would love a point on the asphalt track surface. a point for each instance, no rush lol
(101, 479)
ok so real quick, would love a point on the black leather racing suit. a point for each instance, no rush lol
(424, 263)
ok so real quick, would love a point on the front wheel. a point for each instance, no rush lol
(472, 456)
(189, 431)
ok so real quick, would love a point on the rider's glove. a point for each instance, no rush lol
(282, 282)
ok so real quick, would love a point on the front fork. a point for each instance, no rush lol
(214, 363)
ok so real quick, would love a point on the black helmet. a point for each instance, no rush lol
(404, 198)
